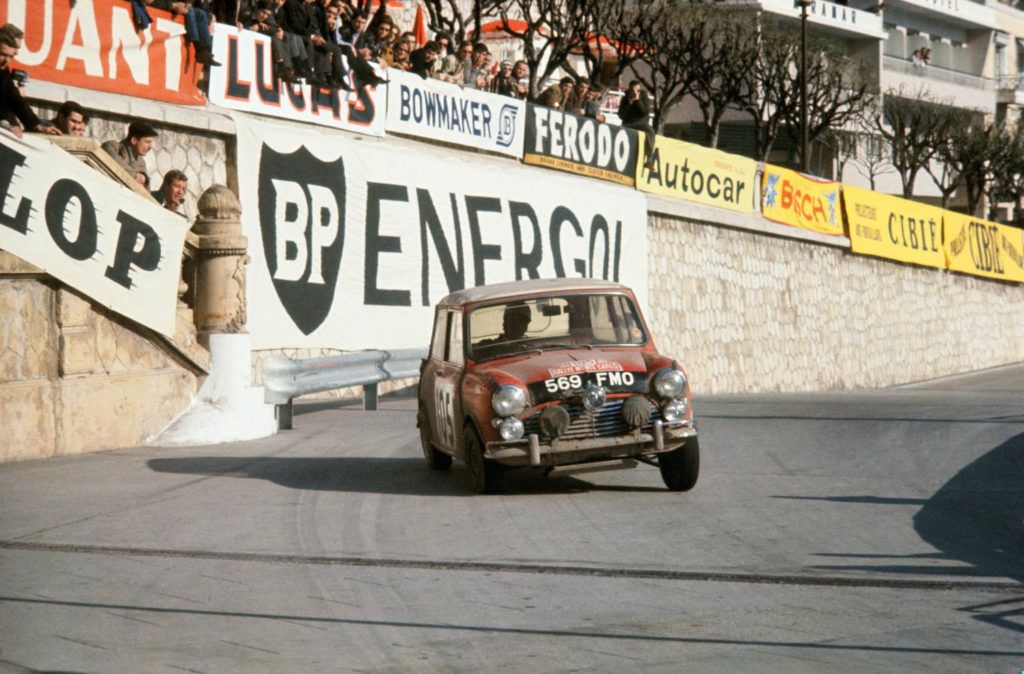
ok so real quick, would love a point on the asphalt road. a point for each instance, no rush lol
(835, 532)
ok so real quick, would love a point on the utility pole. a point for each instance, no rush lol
(805, 160)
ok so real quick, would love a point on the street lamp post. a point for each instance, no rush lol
(804, 142)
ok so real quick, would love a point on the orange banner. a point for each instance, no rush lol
(797, 200)
(94, 44)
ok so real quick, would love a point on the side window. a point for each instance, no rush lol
(437, 343)
(454, 354)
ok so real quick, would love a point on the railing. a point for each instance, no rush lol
(285, 378)
(901, 65)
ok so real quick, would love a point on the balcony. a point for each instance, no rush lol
(828, 17)
(1010, 89)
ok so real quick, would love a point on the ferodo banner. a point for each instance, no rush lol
(983, 248)
(577, 144)
(115, 246)
(696, 173)
(246, 81)
(94, 44)
(799, 201)
(438, 110)
(353, 243)
(894, 228)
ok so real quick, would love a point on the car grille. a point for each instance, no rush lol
(604, 422)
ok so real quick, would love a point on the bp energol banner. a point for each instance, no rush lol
(246, 81)
(353, 242)
(894, 228)
(568, 142)
(983, 248)
(696, 173)
(94, 44)
(105, 241)
(800, 201)
(438, 110)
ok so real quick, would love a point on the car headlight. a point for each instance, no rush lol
(674, 410)
(508, 401)
(670, 383)
(511, 429)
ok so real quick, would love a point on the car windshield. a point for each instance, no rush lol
(553, 322)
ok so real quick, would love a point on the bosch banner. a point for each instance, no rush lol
(353, 243)
(696, 173)
(894, 228)
(799, 201)
(983, 248)
(568, 142)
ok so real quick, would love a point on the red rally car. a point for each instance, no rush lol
(556, 375)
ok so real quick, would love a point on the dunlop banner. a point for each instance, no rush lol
(696, 173)
(799, 201)
(562, 140)
(894, 228)
(983, 248)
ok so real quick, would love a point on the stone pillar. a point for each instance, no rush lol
(220, 265)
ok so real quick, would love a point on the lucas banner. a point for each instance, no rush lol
(983, 248)
(246, 81)
(94, 44)
(568, 142)
(438, 110)
(352, 244)
(796, 200)
(100, 238)
(696, 173)
(894, 228)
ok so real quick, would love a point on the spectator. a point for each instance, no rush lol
(265, 24)
(409, 38)
(445, 48)
(422, 60)
(635, 113)
(197, 26)
(15, 114)
(926, 56)
(555, 95)
(503, 82)
(143, 178)
(172, 190)
(521, 74)
(453, 67)
(131, 151)
(352, 30)
(916, 60)
(477, 69)
(71, 119)
(577, 96)
(375, 43)
(592, 106)
(400, 57)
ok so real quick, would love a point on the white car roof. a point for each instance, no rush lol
(530, 287)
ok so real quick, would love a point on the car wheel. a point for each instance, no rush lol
(680, 467)
(436, 459)
(488, 476)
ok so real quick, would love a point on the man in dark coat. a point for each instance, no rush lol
(14, 111)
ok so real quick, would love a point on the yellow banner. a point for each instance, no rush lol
(983, 248)
(798, 201)
(894, 228)
(696, 173)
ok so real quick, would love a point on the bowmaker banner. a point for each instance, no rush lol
(696, 173)
(797, 200)
(97, 236)
(246, 81)
(568, 142)
(353, 242)
(894, 228)
(437, 110)
(983, 248)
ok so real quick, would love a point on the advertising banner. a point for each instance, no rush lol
(983, 248)
(568, 142)
(438, 110)
(696, 173)
(105, 241)
(894, 228)
(246, 81)
(94, 44)
(353, 243)
(797, 200)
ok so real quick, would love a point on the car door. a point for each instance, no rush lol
(447, 380)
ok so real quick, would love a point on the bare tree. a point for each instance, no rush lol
(912, 125)
(772, 85)
(964, 155)
(1006, 181)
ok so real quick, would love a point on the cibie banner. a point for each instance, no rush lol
(696, 173)
(796, 200)
(568, 142)
(437, 110)
(94, 44)
(246, 81)
(352, 243)
(893, 228)
(97, 236)
(983, 248)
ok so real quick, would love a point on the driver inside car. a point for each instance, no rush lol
(514, 323)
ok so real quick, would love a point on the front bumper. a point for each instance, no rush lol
(530, 451)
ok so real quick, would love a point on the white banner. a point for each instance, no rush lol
(246, 81)
(439, 110)
(105, 241)
(353, 243)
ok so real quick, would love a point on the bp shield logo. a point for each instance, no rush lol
(302, 221)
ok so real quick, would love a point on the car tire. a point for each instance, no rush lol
(436, 459)
(488, 477)
(680, 467)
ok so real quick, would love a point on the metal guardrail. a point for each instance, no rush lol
(285, 378)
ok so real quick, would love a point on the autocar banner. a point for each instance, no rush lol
(897, 229)
(568, 142)
(696, 173)
(797, 200)
(246, 81)
(97, 236)
(354, 242)
(983, 248)
(438, 110)
(95, 45)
